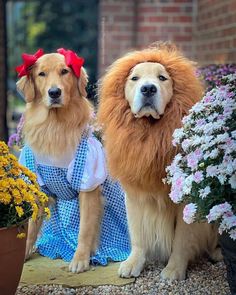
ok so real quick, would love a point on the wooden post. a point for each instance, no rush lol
(3, 72)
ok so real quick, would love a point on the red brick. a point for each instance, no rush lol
(147, 29)
(181, 38)
(158, 19)
(123, 18)
(147, 8)
(182, 19)
(170, 9)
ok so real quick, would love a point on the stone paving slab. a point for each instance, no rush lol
(40, 270)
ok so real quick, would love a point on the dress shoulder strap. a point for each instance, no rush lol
(80, 161)
(29, 158)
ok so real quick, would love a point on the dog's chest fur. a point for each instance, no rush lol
(157, 217)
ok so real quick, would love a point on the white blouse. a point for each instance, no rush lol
(95, 171)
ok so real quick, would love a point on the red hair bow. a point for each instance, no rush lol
(28, 61)
(72, 60)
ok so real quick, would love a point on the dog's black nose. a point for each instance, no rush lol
(54, 92)
(148, 89)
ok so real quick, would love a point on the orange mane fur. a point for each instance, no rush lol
(138, 150)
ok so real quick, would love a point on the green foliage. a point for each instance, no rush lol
(72, 24)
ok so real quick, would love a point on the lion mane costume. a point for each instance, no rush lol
(138, 151)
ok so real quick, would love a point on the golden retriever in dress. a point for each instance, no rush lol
(57, 112)
(143, 97)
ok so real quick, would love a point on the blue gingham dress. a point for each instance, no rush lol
(59, 234)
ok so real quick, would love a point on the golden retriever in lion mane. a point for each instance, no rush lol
(143, 98)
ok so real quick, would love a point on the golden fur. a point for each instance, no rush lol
(54, 131)
(138, 150)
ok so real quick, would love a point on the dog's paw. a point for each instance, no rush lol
(173, 273)
(216, 255)
(78, 265)
(131, 268)
(29, 250)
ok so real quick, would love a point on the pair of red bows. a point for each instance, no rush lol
(72, 60)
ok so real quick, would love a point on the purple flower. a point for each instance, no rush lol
(198, 176)
(192, 161)
(189, 213)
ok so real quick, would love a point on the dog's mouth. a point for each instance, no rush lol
(55, 102)
(55, 105)
(148, 111)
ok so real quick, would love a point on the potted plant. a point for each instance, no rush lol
(20, 199)
(203, 173)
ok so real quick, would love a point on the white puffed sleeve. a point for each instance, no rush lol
(95, 171)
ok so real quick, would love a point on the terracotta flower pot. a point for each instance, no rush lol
(12, 254)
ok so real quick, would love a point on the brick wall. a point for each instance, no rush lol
(215, 32)
(128, 24)
(116, 27)
(165, 20)
(3, 127)
(204, 29)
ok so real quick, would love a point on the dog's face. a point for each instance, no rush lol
(148, 89)
(52, 82)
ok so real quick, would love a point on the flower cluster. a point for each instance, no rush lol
(95, 127)
(16, 139)
(212, 74)
(203, 173)
(20, 196)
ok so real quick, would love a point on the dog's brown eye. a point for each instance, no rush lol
(135, 78)
(64, 71)
(162, 78)
(42, 74)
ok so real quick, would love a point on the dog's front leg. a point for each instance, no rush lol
(133, 266)
(33, 230)
(90, 217)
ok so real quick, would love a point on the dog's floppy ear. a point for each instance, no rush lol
(82, 82)
(25, 87)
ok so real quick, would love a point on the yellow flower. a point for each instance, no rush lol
(20, 183)
(17, 196)
(5, 198)
(43, 198)
(28, 197)
(48, 213)
(19, 211)
(21, 236)
(3, 148)
(13, 159)
(201, 165)
(14, 171)
(3, 161)
(35, 211)
(11, 181)
(4, 184)
(2, 172)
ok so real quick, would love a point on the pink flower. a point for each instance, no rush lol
(200, 122)
(198, 176)
(211, 171)
(192, 161)
(175, 196)
(185, 144)
(232, 233)
(198, 154)
(179, 183)
(217, 211)
(189, 213)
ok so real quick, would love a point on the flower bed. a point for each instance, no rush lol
(203, 174)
